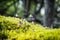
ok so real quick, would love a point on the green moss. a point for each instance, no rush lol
(12, 28)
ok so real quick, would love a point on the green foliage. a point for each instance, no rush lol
(12, 28)
(57, 3)
(11, 10)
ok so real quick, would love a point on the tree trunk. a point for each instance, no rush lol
(27, 4)
(49, 12)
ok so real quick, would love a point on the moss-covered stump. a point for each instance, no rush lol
(12, 28)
